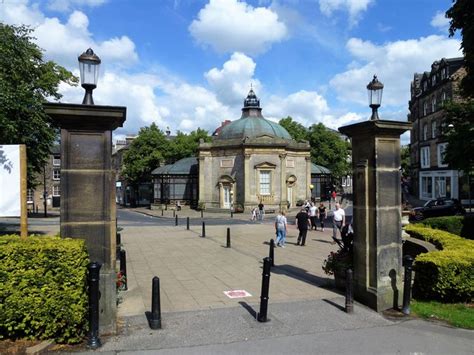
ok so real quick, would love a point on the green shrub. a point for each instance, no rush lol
(451, 224)
(446, 274)
(43, 291)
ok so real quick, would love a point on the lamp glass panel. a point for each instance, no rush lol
(89, 72)
(375, 97)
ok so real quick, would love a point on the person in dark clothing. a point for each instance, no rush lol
(322, 215)
(302, 223)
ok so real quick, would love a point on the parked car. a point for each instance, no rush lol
(437, 208)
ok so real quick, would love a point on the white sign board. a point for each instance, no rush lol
(10, 180)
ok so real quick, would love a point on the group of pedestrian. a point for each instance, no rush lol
(258, 213)
(308, 218)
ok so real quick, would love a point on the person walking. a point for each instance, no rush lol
(313, 215)
(338, 220)
(281, 228)
(322, 215)
(302, 223)
(253, 215)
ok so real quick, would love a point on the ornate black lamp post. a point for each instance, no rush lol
(89, 64)
(375, 89)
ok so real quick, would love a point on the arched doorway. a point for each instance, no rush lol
(226, 186)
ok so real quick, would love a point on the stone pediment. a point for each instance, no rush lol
(265, 165)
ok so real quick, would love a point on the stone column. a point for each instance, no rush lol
(283, 192)
(88, 189)
(377, 211)
(202, 174)
(247, 203)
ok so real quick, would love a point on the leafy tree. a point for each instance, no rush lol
(145, 154)
(26, 81)
(186, 145)
(296, 130)
(459, 132)
(405, 160)
(329, 150)
(461, 16)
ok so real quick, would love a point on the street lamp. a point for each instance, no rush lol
(375, 89)
(89, 64)
(311, 187)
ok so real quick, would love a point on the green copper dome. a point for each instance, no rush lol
(252, 124)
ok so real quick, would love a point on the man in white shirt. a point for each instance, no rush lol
(339, 218)
(313, 214)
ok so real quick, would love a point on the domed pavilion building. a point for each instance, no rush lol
(253, 160)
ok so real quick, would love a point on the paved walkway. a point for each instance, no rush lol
(194, 272)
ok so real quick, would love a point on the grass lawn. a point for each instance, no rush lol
(457, 314)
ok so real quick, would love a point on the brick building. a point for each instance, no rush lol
(432, 178)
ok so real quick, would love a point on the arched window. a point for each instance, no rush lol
(425, 132)
(425, 108)
(434, 129)
(433, 104)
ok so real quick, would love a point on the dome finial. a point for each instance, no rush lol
(252, 99)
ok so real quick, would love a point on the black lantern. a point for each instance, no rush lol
(375, 89)
(89, 64)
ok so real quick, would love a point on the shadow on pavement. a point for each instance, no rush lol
(302, 275)
(249, 309)
(338, 306)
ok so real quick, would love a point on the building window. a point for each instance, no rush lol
(443, 73)
(56, 160)
(444, 97)
(425, 157)
(433, 104)
(425, 132)
(29, 195)
(425, 86)
(425, 108)
(346, 181)
(441, 154)
(56, 174)
(433, 129)
(433, 80)
(426, 187)
(265, 182)
(56, 190)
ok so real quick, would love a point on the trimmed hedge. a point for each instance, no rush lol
(447, 274)
(43, 292)
(459, 225)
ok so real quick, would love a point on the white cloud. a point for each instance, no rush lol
(394, 63)
(67, 5)
(306, 107)
(440, 22)
(235, 26)
(353, 7)
(232, 82)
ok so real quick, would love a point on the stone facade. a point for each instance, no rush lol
(429, 91)
(253, 160)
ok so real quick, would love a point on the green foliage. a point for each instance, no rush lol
(296, 130)
(26, 81)
(447, 274)
(337, 262)
(459, 133)
(405, 160)
(451, 224)
(327, 147)
(43, 288)
(461, 15)
(145, 153)
(329, 150)
(457, 314)
(152, 147)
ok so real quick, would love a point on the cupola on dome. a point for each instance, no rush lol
(252, 124)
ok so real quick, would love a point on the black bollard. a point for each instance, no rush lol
(349, 293)
(407, 284)
(202, 214)
(174, 213)
(176, 220)
(187, 223)
(162, 212)
(118, 240)
(228, 237)
(123, 268)
(262, 315)
(94, 295)
(231, 214)
(154, 317)
(271, 255)
(203, 229)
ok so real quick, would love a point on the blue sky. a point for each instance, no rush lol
(189, 63)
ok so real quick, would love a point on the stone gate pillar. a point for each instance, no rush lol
(88, 189)
(377, 211)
